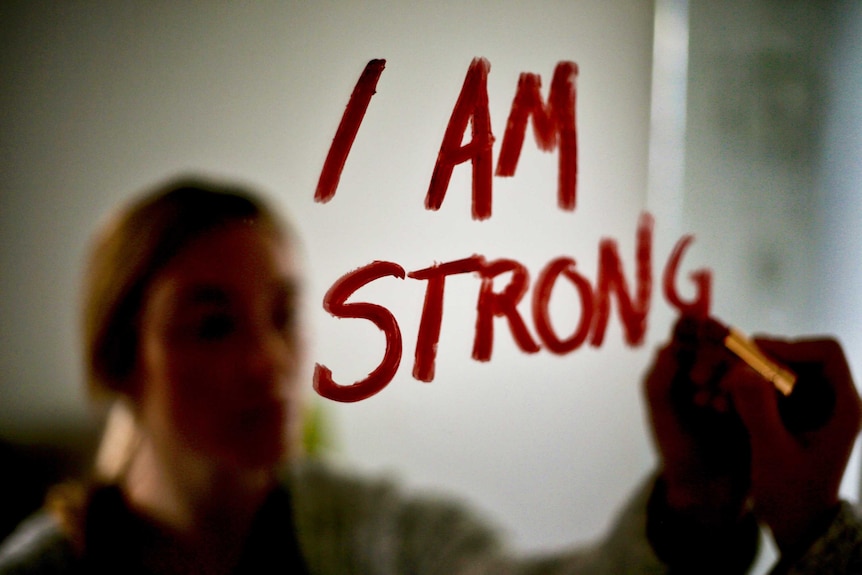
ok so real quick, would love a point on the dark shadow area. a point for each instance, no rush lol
(34, 462)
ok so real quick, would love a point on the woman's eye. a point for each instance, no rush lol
(215, 327)
(283, 319)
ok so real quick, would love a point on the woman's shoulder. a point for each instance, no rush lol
(323, 489)
(321, 486)
(52, 539)
(352, 521)
(38, 546)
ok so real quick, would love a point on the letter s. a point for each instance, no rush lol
(334, 303)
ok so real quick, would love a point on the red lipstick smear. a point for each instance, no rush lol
(471, 107)
(432, 311)
(553, 125)
(334, 303)
(562, 266)
(365, 88)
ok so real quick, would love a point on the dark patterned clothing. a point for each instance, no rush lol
(328, 523)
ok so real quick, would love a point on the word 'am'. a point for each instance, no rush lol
(553, 127)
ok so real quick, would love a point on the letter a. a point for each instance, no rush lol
(472, 105)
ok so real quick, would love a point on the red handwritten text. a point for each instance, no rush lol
(553, 127)
(595, 307)
(347, 130)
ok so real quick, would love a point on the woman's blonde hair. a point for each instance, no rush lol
(131, 248)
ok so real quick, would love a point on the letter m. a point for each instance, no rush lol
(553, 126)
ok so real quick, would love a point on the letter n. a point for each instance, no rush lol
(611, 280)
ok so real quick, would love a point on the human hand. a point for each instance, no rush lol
(702, 444)
(795, 476)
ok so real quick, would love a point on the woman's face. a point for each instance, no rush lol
(218, 357)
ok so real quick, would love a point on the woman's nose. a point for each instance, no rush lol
(271, 360)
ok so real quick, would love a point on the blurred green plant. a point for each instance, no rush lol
(317, 434)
